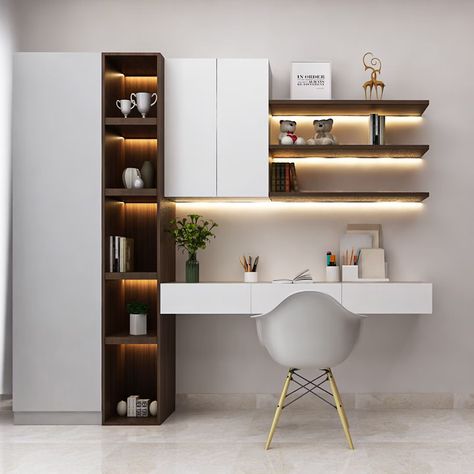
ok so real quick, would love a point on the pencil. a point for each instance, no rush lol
(351, 262)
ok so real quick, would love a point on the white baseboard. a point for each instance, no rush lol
(357, 401)
(57, 418)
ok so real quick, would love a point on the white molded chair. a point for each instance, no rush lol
(309, 330)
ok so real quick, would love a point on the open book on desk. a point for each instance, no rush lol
(302, 277)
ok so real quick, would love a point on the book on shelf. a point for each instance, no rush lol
(283, 177)
(302, 277)
(143, 407)
(120, 254)
(132, 405)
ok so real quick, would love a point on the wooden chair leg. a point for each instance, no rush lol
(279, 408)
(340, 408)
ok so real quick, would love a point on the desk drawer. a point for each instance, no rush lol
(205, 298)
(388, 298)
(265, 296)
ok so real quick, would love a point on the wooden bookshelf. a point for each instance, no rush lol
(143, 365)
(343, 151)
(348, 107)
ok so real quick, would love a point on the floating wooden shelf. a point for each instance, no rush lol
(342, 196)
(132, 127)
(132, 195)
(132, 421)
(348, 107)
(131, 276)
(125, 338)
(343, 151)
(130, 121)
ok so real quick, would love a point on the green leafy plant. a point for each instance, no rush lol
(192, 233)
(137, 308)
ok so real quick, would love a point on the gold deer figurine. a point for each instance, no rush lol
(376, 65)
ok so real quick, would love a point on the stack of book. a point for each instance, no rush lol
(137, 407)
(121, 254)
(284, 177)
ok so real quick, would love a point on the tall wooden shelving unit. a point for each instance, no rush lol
(135, 365)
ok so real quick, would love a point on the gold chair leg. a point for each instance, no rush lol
(340, 408)
(279, 408)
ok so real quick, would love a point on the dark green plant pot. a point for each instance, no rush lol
(192, 269)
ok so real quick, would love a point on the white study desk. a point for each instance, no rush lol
(256, 298)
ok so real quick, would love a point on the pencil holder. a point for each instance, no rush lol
(350, 272)
(332, 274)
(250, 277)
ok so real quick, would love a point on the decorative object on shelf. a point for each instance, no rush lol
(153, 409)
(192, 233)
(332, 270)
(147, 173)
(138, 314)
(138, 183)
(376, 129)
(121, 408)
(310, 80)
(143, 101)
(322, 133)
(375, 65)
(129, 177)
(287, 134)
(125, 106)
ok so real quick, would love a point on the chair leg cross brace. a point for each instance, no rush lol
(310, 386)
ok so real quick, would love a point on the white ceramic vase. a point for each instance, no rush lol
(121, 408)
(138, 324)
(129, 176)
(153, 408)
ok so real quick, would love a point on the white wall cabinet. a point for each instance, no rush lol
(242, 127)
(216, 127)
(57, 238)
(190, 128)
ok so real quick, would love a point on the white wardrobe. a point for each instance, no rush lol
(57, 238)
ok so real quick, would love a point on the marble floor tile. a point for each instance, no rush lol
(225, 441)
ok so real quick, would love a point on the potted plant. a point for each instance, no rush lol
(138, 314)
(192, 233)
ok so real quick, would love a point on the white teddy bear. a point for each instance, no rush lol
(287, 134)
(323, 135)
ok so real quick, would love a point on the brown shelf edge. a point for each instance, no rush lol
(281, 107)
(131, 421)
(131, 276)
(132, 121)
(347, 196)
(116, 339)
(346, 151)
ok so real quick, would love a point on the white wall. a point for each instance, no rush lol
(426, 51)
(6, 48)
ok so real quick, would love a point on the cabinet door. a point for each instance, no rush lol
(57, 235)
(190, 127)
(242, 127)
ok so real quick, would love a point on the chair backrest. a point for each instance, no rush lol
(309, 329)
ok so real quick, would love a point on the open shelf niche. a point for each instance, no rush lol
(406, 110)
(135, 365)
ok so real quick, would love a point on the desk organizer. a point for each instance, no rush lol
(350, 272)
(250, 277)
(333, 274)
